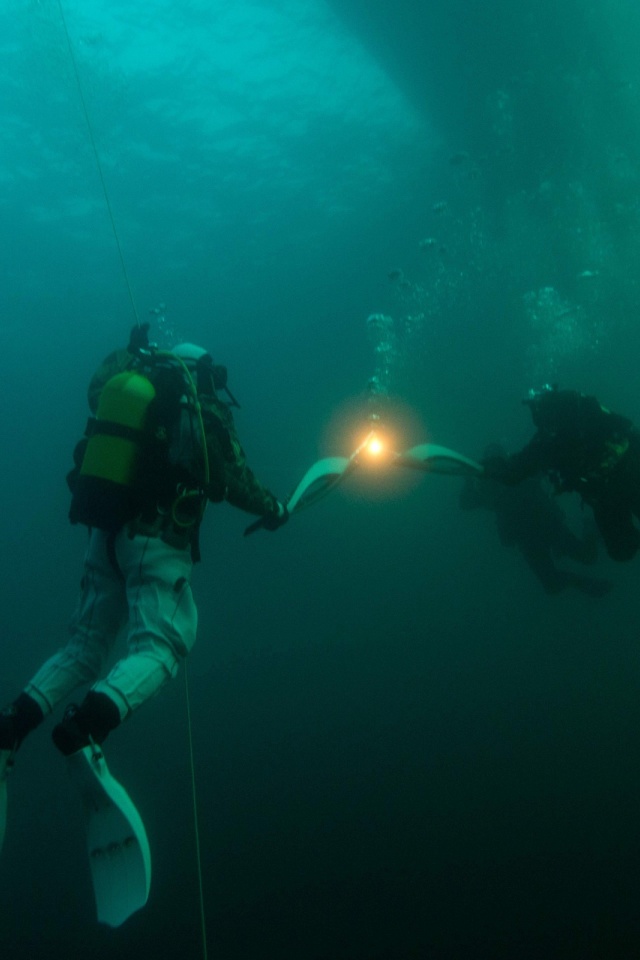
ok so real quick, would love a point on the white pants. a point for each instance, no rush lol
(152, 607)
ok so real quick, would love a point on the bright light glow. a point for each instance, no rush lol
(375, 446)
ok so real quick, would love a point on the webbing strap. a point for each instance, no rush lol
(108, 428)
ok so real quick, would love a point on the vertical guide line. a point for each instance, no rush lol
(195, 817)
(98, 164)
(137, 318)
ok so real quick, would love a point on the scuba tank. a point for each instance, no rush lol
(105, 493)
(144, 455)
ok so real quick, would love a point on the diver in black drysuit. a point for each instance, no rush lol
(529, 519)
(584, 448)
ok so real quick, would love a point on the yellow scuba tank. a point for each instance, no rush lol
(106, 492)
(114, 444)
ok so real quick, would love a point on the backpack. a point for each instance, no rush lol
(144, 454)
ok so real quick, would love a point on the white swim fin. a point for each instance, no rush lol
(117, 841)
(432, 458)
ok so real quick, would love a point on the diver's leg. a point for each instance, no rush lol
(162, 621)
(99, 614)
(540, 560)
(95, 622)
(553, 580)
(567, 544)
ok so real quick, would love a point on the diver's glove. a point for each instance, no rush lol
(277, 518)
(139, 338)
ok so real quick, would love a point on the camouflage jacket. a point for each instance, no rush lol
(238, 484)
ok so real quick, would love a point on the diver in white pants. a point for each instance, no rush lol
(137, 571)
(148, 598)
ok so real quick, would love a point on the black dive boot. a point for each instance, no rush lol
(17, 720)
(93, 721)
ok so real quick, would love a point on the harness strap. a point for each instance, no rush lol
(108, 428)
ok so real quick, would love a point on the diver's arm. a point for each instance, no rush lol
(512, 470)
(231, 477)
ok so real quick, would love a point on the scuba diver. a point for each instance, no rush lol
(586, 449)
(141, 490)
(528, 518)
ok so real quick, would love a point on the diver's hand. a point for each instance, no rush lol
(139, 338)
(277, 518)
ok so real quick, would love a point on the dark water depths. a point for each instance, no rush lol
(404, 748)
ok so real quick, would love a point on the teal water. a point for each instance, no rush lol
(404, 748)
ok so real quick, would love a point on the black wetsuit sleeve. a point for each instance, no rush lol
(534, 458)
